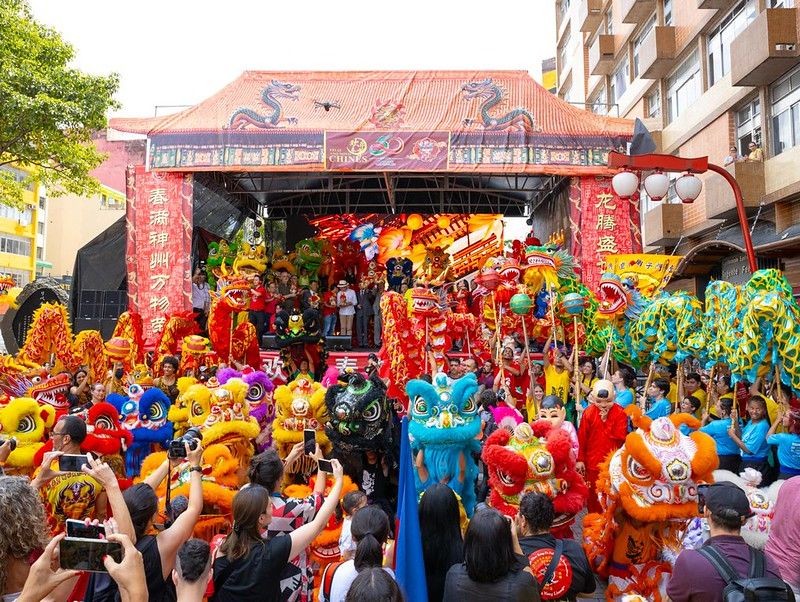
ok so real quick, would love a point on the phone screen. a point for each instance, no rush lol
(87, 554)
(309, 441)
(325, 465)
(78, 528)
(72, 462)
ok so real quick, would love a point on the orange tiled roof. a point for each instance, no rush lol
(487, 121)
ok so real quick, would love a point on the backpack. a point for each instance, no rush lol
(553, 583)
(755, 586)
(327, 581)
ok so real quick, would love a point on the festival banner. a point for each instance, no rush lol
(603, 224)
(159, 224)
(380, 151)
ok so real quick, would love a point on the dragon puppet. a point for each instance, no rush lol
(38, 384)
(308, 260)
(25, 420)
(535, 457)
(300, 405)
(648, 491)
(144, 415)
(221, 256)
(361, 418)
(443, 427)
(230, 336)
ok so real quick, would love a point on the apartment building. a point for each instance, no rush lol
(705, 76)
(22, 230)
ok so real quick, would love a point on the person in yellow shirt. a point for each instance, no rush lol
(756, 154)
(693, 386)
(557, 373)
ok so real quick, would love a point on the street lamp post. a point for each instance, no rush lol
(626, 185)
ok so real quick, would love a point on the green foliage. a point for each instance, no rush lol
(48, 110)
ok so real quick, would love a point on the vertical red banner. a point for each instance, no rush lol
(159, 222)
(606, 225)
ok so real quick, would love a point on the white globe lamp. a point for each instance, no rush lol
(625, 184)
(656, 185)
(688, 187)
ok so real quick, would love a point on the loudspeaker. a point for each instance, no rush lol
(87, 324)
(107, 328)
(268, 341)
(111, 311)
(343, 343)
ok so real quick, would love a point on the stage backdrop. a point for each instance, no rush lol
(602, 224)
(159, 224)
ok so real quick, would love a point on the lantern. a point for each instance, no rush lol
(688, 187)
(521, 304)
(573, 304)
(656, 185)
(625, 184)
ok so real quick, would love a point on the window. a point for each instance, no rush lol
(609, 22)
(21, 216)
(719, 40)
(780, 3)
(683, 87)
(599, 104)
(667, 12)
(748, 125)
(42, 203)
(15, 245)
(40, 227)
(21, 277)
(563, 50)
(619, 81)
(785, 98)
(39, 253)
(654, 103)
(637, 44)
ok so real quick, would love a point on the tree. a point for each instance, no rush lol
(48, 110)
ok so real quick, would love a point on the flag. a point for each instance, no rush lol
(409, 564)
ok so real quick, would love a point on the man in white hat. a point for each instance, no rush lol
(346, 301)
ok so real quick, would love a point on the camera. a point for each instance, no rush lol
(12, 442)
(177, 447)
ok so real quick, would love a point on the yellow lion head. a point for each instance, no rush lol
(26, 421)
(299, 405)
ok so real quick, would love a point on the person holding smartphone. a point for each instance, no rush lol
(68, 493)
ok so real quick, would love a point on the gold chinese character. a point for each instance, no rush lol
(158, 196)
(606, 222)
(159, 259)
(604, 200)
(158, 282)
(160, 303)
(157, 324)
(159, 218)
(606, 244)
(158, 238)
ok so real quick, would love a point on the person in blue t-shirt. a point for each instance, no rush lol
(752, 438)
(659, 404)
(729, 454)
(689, 405)
(624, 380)
(788, 443)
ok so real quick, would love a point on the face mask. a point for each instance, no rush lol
(119, 373)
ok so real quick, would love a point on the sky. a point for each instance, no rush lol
(178, 52)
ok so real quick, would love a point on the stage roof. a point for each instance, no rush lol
(466, 122)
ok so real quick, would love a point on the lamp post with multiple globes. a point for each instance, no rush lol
(687, 187)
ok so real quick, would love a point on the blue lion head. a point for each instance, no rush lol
(443, 413)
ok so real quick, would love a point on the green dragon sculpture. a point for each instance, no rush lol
(244, 117)
(492, 95)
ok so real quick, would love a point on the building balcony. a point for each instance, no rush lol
(657, 53)
(601, 55)
(720, 202)
(766, 49)
(637, 11)
(715, 4)
(590, 15)
(663, 225)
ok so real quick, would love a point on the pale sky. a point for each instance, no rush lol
(178, 52)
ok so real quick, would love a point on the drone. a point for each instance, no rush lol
(327, 105)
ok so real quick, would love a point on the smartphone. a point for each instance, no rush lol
(87, 554)
(701, 498)
(12, 442)
(325, 465)
(79, 529)
(309, 441)
(72, 462)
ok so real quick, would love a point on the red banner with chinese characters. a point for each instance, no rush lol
(159, 224)
(602, 224)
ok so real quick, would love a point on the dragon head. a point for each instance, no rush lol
(236, 295)
(251, 260)
(533, 458)
(423, 302)
(767, 280)
(441, 413)
(283, 89)
(476, 89)
(6, 283)
(398, 269)
(308, 253)
(360, 414)
(509, 270)
(618, 297)
(52, 391)
(546, 266)
(654, 476)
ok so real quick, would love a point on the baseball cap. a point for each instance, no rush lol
(726, 499)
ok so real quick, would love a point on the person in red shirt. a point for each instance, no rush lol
(603, 429)
(511, 376)
(256, 312)
(270, 305)
(329, 311)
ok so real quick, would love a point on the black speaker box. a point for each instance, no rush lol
(268, 341)
(107, 328)
(339, 342)
(87, 324)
